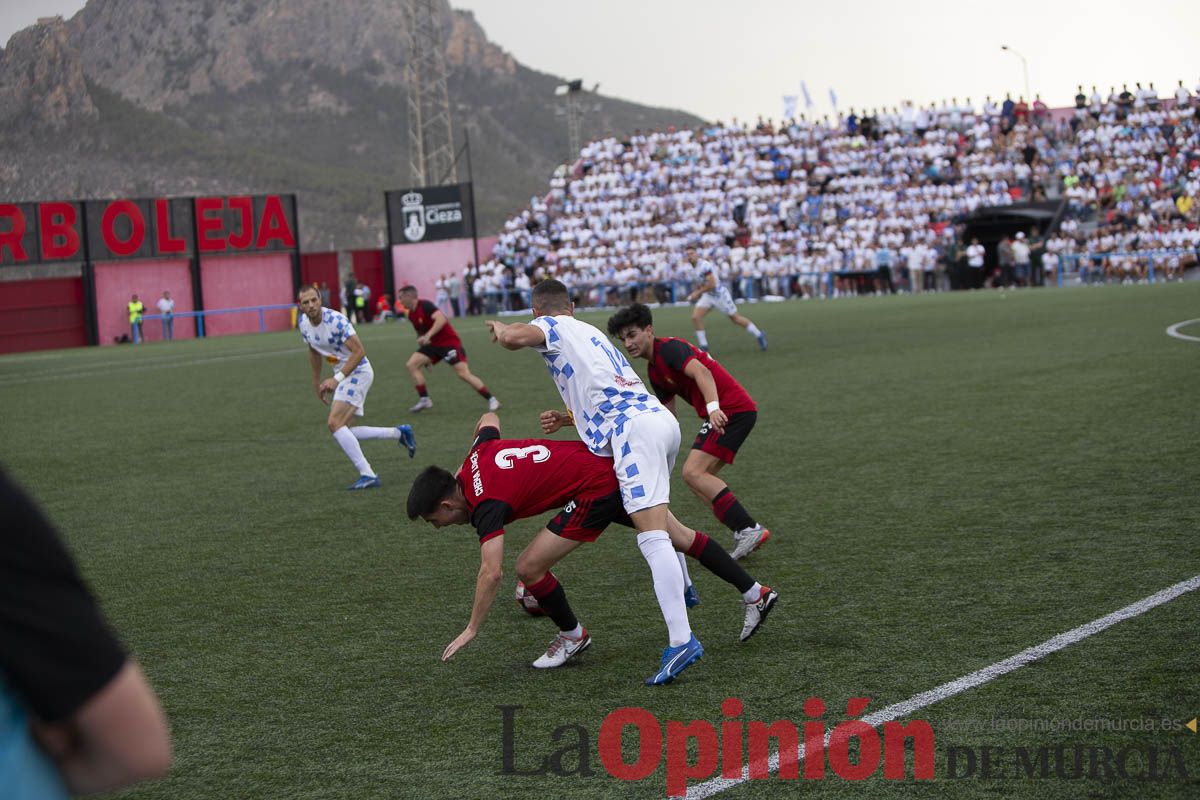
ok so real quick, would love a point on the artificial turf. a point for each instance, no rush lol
(948, 479)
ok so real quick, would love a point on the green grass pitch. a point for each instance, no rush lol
(949, 479)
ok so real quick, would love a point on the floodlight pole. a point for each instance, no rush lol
(1024, 68)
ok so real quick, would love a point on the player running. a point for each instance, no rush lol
(330, 336)
(676, 367)
(616, 417)
(503, 480)
(710, 294)
(436, 341)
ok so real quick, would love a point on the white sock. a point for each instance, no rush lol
(702, 338)
(752, 594)
(362, 432)
(668, 583)
(687, 579)
(346, 439)
(753, 330)
(574, 633)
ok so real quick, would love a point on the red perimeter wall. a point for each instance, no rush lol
(117, 281)
(41, 314)
(422, 264)
(321, 268)
(241, 281)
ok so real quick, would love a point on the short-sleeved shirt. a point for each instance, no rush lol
(510, 479)
(667, 377)
(704, 268)
(421, 318)
(55, 650)
(594, 378)
(329, 338)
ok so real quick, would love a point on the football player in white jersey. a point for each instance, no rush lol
(616, 416)
(331, 337)
(710, 294)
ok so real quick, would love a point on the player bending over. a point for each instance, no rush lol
(502, 480)
(710, 294)
(330, 336)
(616, 417)
(676, 367)
(436, 341)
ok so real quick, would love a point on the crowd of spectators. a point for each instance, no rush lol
(870, 202)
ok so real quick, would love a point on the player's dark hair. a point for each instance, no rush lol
(409, 289)
(551, 295)
(637, 314)
(308, 287)
(431, 487)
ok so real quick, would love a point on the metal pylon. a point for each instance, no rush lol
(430, 136)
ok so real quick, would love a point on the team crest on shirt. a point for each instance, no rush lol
(412, 207)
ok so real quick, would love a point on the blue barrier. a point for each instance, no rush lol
(1150, 256)
(200, 315)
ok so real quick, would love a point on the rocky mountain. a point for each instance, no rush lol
(136, 97)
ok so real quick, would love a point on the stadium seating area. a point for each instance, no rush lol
(805, 205)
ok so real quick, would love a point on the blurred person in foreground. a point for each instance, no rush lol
(76, 714)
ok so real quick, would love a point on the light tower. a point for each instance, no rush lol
(430, 135)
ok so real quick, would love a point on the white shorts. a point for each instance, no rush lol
(644, 456)
(718, 298)
(354, 388)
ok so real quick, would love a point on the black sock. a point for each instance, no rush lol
(553, 600)
(729, 511)
(716, 560)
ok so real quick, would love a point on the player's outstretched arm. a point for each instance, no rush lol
(491, 560)
(516, 335)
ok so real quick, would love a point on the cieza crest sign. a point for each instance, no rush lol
(429, 213)
(412, 206)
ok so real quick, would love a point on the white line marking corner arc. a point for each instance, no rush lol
(1174, 330)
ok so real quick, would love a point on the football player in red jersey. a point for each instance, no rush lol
(502, 480)
(677, 367)
(436, 341)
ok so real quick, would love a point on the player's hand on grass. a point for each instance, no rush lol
(552, 420)
(460, 641)
(718, 419)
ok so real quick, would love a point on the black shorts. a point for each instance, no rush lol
(585, 518)
(451, 355)
(725, 445)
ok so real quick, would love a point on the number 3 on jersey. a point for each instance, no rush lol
(618, 361)
(506, 457)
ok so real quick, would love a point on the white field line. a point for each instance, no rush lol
(138, 366)
(1174, 331)
(977, 678)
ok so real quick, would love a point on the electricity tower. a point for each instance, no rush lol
(430, 136)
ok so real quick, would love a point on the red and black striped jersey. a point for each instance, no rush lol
(667, 378)
(509, 479)
(421, 318)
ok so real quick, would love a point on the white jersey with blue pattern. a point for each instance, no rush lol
(594, 378)
(329, 338)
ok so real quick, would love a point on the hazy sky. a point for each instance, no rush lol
(725, 59)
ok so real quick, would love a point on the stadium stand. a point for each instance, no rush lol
(817, 207)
